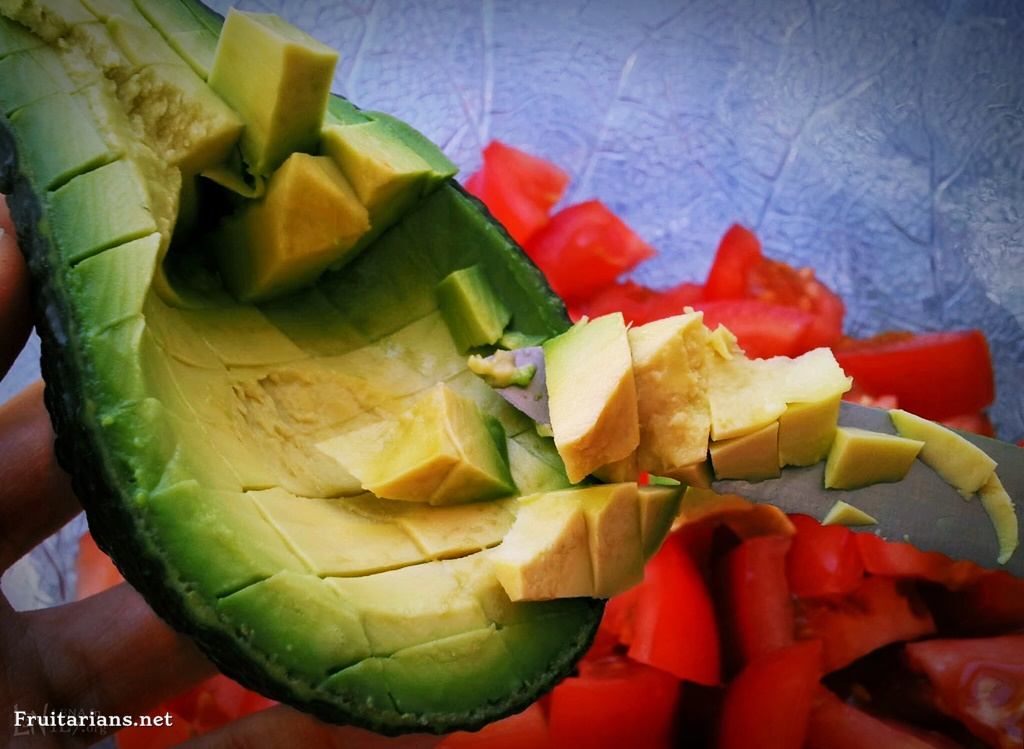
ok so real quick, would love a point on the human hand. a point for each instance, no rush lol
(109, 653)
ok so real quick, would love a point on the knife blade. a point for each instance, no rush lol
(921, 509)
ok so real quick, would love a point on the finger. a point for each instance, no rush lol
(283, 726)
(110, 653)
(35, 494)
(15, 307)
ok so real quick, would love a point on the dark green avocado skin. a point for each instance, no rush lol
(102, 482)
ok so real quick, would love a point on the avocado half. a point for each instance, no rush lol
(189, 421)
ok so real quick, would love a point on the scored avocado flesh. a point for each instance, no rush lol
(204, 421)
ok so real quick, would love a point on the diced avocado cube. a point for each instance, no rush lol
(453, 674)
(860, 458)
(474, 313)
(752, 457)
(546, 554)
(843, 513)
(410, 606)
(806, 431)
(219, 540)
(960, 463)
(166, 17)
(439, 451)
(614, 536)
(278, 79)
(112, 286)
(659, 506)
(670, 368)
(16, 38)
(748, 394)
(1003, 514)
(82, 229)
(268, 612)
(532, 473)
(312, 527)
(386, 174)
(26, 80)
(141, 44)
(51, 156)
(695, 474)
(625, 469)
(340, 111)
(441, 167)
(308, 219)
(198, 48)
(48, 20)
(592, 395)
(456, 530)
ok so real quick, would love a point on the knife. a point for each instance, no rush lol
(921, 509)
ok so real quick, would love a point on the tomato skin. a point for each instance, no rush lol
(640, 304)
(902, 560)
(979, 682)
(836, 725)
(755, 597)
(584, 248)
(672, 624)
(528, 728)
(763, 330)
(769, 703)
(935, 375)
(881, 611)
(519, 189)
(824, 560)
(738, 252)
(613, 703)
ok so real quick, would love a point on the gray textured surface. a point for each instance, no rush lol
(881, 143)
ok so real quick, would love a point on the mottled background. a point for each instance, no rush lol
(881, 143)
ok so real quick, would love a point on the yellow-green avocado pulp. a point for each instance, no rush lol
(191, 429)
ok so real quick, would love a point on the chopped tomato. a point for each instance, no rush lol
(899, 559)
(96, 572)
(763, 330)
(771, 700)
(740, 271)
(881, 611)
(744, 518)
(823, 560)
(738, 252)
(517, 188)
(527, 729)
(978, 682)
(836, 725)
(935, 375)
(987, 604)
(755, 597)
(640, 304)
(584, 248)
(672, 622)
(216, 702)
(614, 702)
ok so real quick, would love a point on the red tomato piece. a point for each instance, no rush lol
(978, 423)
(527, 729)
(613, 703)
(519, 189)
(771, 700)
(935, 375)
(584, 248)
(756, 597)
(641, 304)
(978, 682)
(899, 559)
(836, 725)
(989, 604)
(824, 559)
(881, 611)
(738, 253)
(673, 625)
(763, 330)
(96, 572)
(776, 282)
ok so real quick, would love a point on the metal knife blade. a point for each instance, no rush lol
(922, 508)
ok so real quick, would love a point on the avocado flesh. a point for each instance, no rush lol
(191, 414)
(859, 457)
